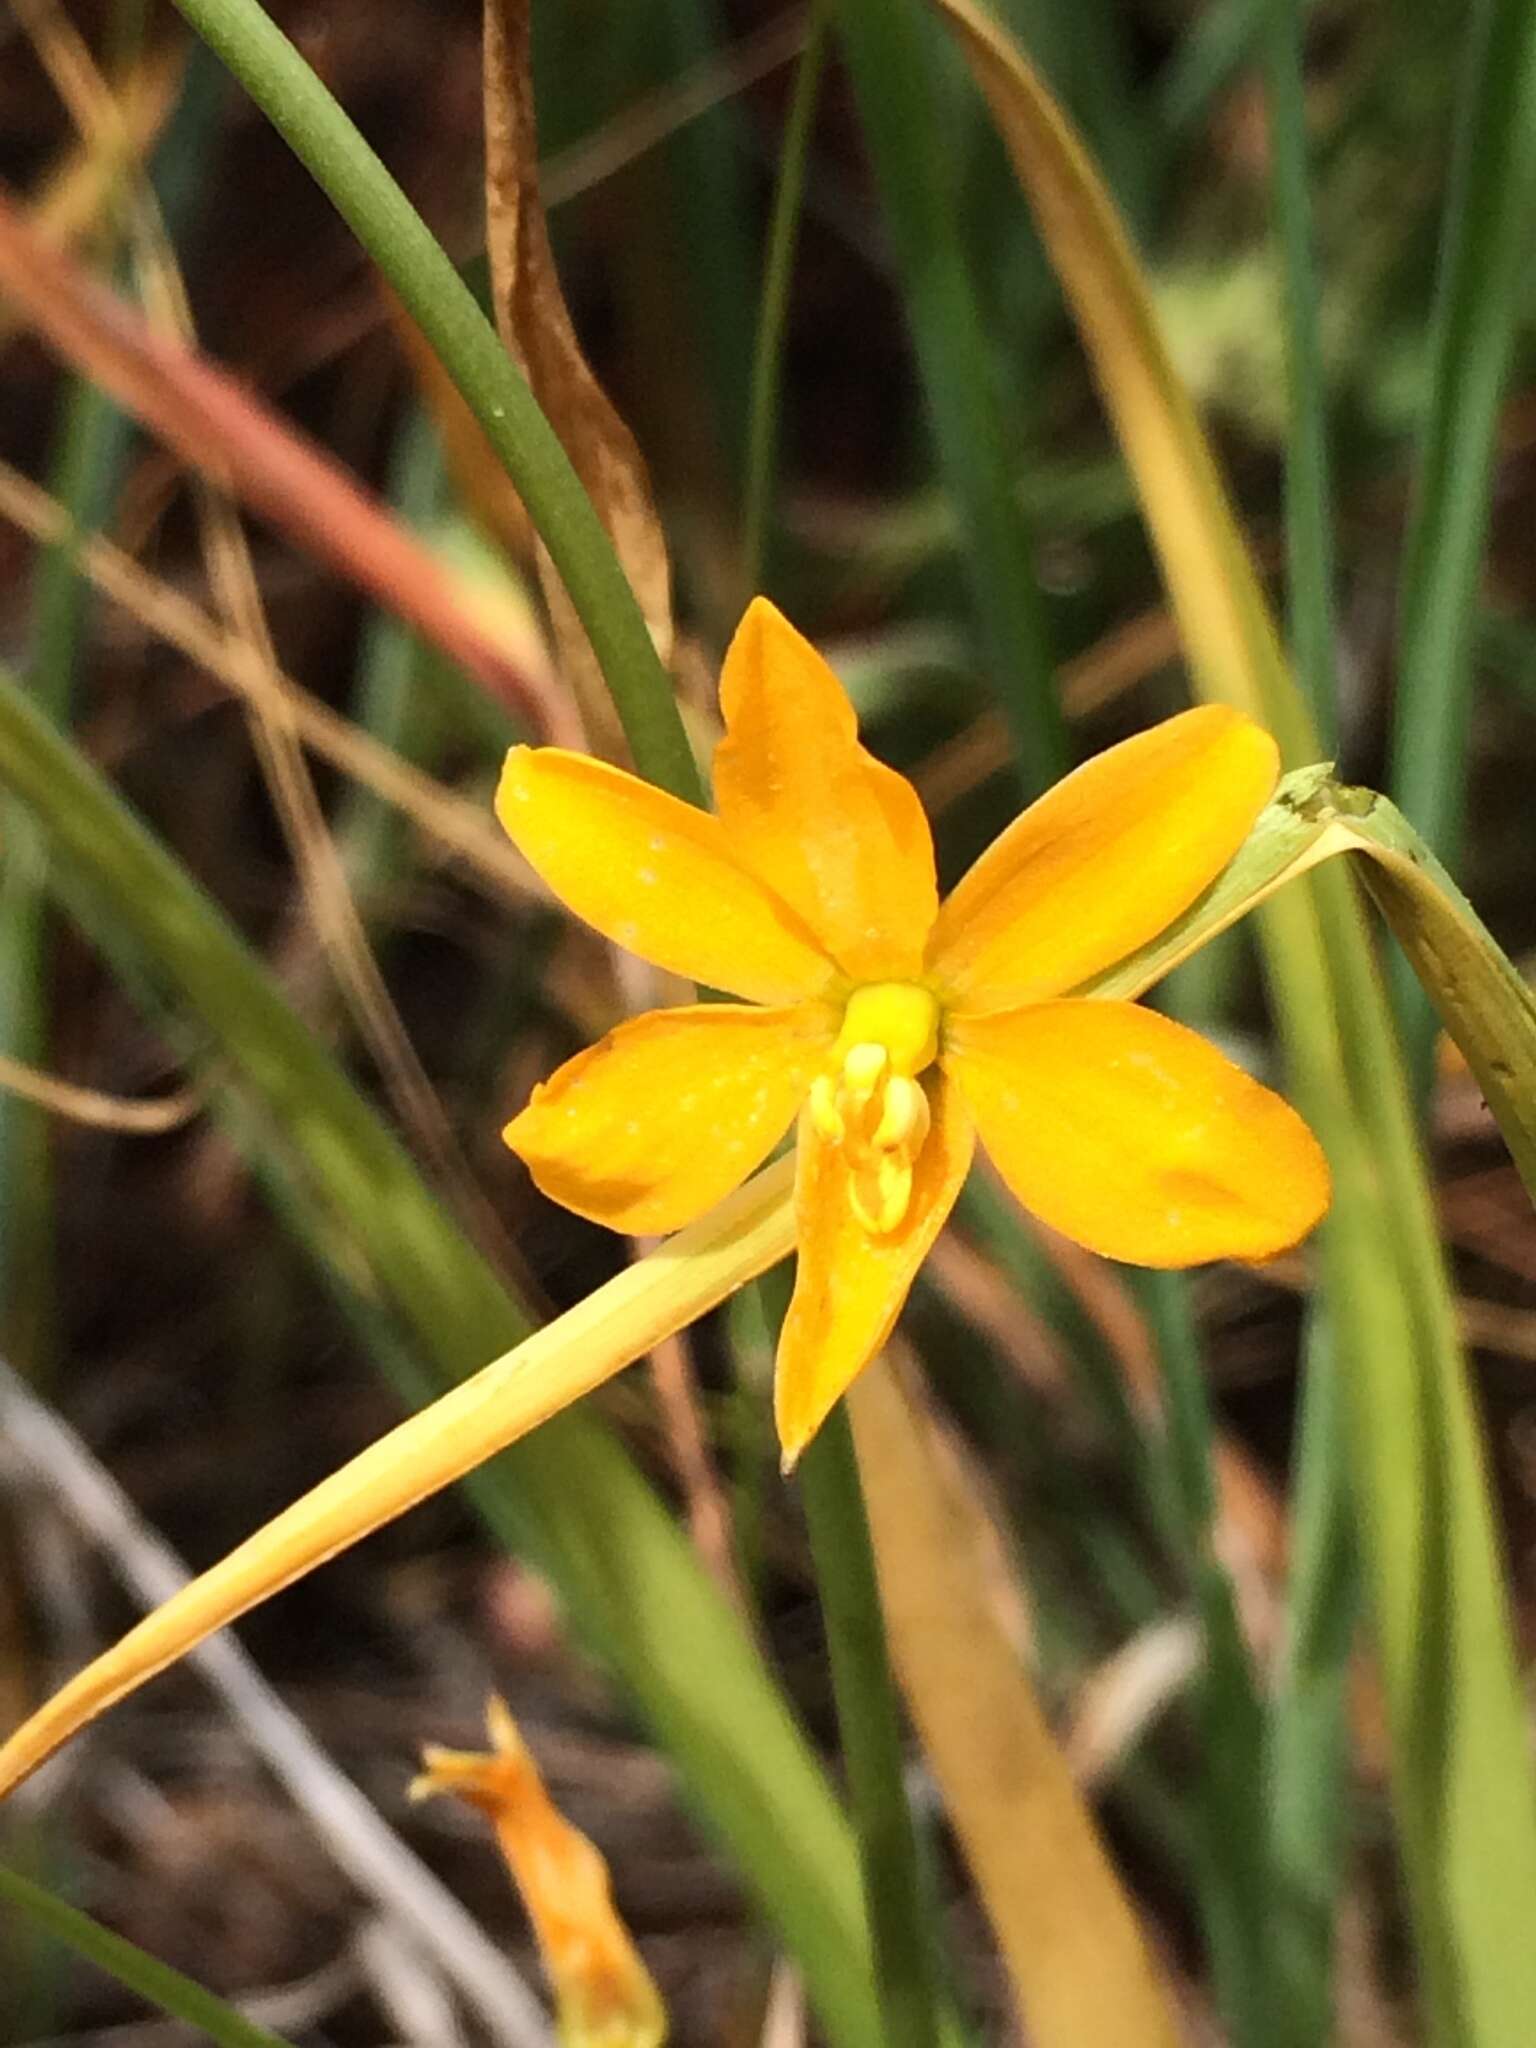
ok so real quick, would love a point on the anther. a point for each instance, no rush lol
(863, 1069)
(904, 1117)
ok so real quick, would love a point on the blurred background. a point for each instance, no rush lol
(154, 1293)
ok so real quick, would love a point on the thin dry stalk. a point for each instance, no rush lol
(451, 824)
(98, 1111)
(219, 428)
(44, 1453)
(322, 878)
(1115, 664)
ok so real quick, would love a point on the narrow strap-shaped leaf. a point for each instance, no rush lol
(1074, 1953)
(1485, 1004)
(140, 1972)
(323, 137)
(1462, 1777)
(575, 1502)
(1480, 302)
(503, 1402)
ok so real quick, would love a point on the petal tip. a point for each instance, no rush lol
(760, 626)
(797, 1419)
(512, 787)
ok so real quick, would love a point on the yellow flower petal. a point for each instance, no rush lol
(850, 1284)
(662, 1118)
(805, 806)
(1125, 1131)
(1104, 861)
(656, 876)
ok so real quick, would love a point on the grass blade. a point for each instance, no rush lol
(891, 63)
(773, 306)
(1483, 1000)
(1069, 1939)
(90, 446)
(1308, 1734)
(1308, 517)
(155, 1982)
(1462, 1780)
(572, 1498)
(399, 241)
(1486, 238)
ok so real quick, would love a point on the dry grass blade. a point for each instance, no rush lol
(220, 428)
(98, 1111)
(53, 1460)
(327, 899)
(535, 324)
(450, 823)
(72, 197)
(1068, 1935)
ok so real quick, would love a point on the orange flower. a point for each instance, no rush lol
(897, 1029)
(604, 1993)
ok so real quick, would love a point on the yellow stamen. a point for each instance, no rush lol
(864, 1068)
(905, 1118)
(870, 1106)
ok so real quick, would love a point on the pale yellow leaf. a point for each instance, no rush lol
(607, 1330)
(1074, 1952)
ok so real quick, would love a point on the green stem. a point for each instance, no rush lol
(892, 58)
(1305, 1783)
(320, 133)
(1308, 524)
(778, 267)
(569, 1499)
(91, 441)
(1489, 216)
(870, 1727)
(153, 1980)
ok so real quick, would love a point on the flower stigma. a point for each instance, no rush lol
(871, 1105)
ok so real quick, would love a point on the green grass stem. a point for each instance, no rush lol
(892, 53)
(153, 1981)
(569, 1497)
(1486, 236)
(322, 135)
(773, 306)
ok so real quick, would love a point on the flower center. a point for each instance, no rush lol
(870, 1104)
